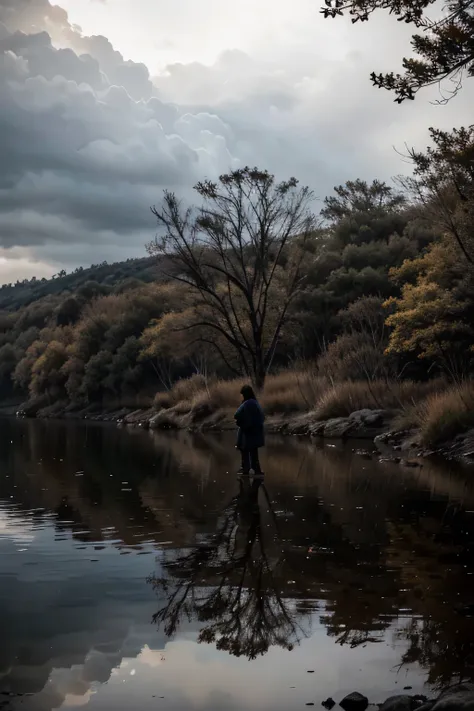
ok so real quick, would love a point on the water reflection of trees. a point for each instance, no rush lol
(230, 583)
(389, 546)
(447, 651)
(437, 554)
(393, 548)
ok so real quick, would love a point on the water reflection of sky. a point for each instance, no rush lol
(79, 621)
(76, 609)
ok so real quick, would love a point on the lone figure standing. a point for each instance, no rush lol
(251, 436)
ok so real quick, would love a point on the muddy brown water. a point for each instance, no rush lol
(137, 572)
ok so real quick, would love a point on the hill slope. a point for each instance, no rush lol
(14, 296)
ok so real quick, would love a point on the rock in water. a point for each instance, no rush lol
(338, 427)
(354, 702)
(400, 702)
(427, 706)
(328, 704)
(420, 699)
(457, 698)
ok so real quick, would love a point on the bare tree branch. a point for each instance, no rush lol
(242, 254)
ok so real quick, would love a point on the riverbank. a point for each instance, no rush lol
(403, 419)
(376, 427)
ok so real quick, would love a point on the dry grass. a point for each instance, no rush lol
(183, 391)
(225, 393)
(443, 415)
(287, 392)
(194, 391)
(292, 391)
(162, 400)
(195, 399)
(188, 388)
(341, 399)
(218, 396)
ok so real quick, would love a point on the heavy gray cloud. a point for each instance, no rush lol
(82, 159)
(89, 139)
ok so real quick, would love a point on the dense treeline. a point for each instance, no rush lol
(382, 287)
(23, 292)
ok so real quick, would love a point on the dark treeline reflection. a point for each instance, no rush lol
(231, 582)
(372, 551)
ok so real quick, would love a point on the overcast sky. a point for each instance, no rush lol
(103, 103)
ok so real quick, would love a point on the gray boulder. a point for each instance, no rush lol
(400, 702)
(370, 423)
(457, 698)
(369, 417)
(316, 429)
(364, 424)
(299, 425)
(338, 427)
(427, 706)
(354, 702)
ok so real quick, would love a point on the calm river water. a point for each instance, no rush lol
(137, 572)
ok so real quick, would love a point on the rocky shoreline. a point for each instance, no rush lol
(374, 426)
(459, 697)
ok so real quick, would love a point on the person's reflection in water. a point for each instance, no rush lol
(231, 583)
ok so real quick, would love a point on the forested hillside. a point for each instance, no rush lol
(22, 293)
(379, 286)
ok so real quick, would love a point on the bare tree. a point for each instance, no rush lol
(241, 253)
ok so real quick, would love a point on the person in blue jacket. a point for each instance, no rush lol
(251, 435)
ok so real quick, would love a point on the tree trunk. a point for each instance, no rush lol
(259, 376)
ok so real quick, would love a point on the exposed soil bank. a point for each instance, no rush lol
(374, 426)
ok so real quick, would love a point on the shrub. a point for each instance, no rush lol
(442, 416)
(226, 393)
(187, 388)
(353, 355)
(200, 397)
(194, 399)
(162, 400)
(341, 399)
(202, 406)
(182, 407)
(292, 391)
(184, 390)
